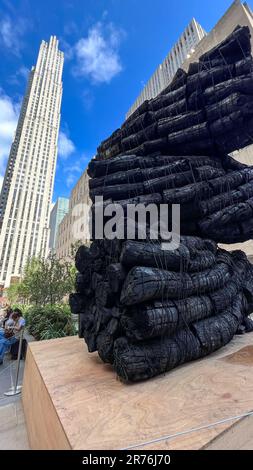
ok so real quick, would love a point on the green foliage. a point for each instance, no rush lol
(40, 294)
(44, 281)
(12, 293)
(24, 308)
(16, 294)
(50, 321)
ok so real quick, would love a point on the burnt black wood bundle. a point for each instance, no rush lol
(147, 309)
(209, 109)
(215, 196)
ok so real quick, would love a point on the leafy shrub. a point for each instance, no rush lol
(24, 308)
(43, 281)
(50, 321)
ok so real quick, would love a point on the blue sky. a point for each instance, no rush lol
(111, 49)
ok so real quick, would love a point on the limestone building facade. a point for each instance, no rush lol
(26, 194)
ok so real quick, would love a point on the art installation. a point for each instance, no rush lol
(147, 309)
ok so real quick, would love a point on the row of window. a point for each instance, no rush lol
(44, 82)
(170, 65)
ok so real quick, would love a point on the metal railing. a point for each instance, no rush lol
(16, 389)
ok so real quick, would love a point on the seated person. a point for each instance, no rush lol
(14, 331)
(7, 321)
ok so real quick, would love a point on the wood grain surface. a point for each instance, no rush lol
(72, 400)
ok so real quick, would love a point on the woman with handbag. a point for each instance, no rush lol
(11, 333)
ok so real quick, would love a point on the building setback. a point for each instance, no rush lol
(29, 178)
(163, 75)
(60, 209)
(73, 229)
(237, 14)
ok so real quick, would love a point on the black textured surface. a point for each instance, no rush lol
(146, 310)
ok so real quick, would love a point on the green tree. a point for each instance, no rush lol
(13, 293)
(47, 281)
(17, 293)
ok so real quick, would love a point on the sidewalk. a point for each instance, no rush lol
(13, 435)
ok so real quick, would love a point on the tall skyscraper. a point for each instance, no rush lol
(163, 75)
(60, 209)
(29, 178)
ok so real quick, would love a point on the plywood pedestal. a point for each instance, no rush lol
(74, 401)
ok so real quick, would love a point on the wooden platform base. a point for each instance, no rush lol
(74, 401)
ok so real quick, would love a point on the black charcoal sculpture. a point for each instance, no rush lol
(146, 309)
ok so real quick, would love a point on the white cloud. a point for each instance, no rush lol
(22, 72)
(65, 146)
(67, 49)
(11, 33)
(8, 122)
(88, 99)
(6, 32)
(70, 180)
(72, 172)
(75, 168)
(97, 54)
(70, 28)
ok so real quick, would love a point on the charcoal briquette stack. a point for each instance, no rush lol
(146, 308)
